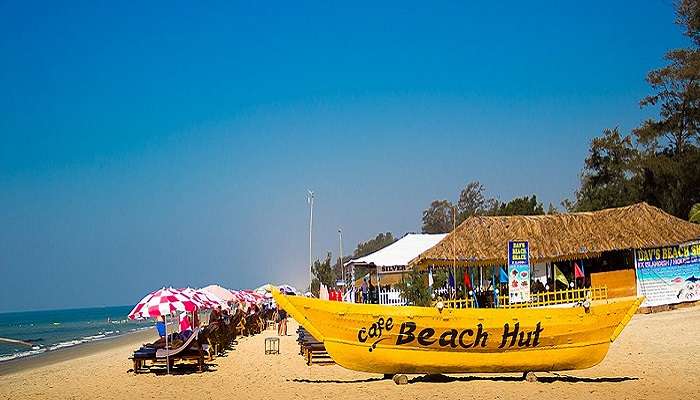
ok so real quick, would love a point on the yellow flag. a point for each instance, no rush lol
(559, 276)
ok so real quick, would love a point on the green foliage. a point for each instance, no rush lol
(322, 273)
(671, 181)
(379, 242)
(438, 218)
(414, 288)
(694, 215)
(472, 201)
(688, 16)
(662, 165)
(676, 89)
(521, 206)
(609, 176)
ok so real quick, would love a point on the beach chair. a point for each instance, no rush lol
(191, 350)
(313, 350)
(141, 357)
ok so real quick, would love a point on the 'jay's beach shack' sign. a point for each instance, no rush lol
(518, 271)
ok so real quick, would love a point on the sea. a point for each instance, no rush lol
(56, 329)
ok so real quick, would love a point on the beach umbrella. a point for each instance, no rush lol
(266, 288)
(207, 300)
(163, 302)
(220, 292)
(288, 289)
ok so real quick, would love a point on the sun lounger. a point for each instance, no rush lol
(312, 350)
(191, 350)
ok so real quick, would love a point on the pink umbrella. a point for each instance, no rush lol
(206, 300)
(163, 302)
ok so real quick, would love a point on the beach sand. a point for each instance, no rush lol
(657, 356)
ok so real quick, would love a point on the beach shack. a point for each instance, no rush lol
(382, 270)
(626, 251)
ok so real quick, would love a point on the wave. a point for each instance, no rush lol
(69, 343)
(21, 354)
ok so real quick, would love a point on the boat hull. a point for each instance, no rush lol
(390, 340)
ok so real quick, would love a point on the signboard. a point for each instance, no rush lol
(392, 269)
(518, 271)
(668, 275)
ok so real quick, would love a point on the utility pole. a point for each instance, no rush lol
(454, 251)
(342, 266)
(310, 200)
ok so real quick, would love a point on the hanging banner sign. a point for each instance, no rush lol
(518, 272)
(668, 275)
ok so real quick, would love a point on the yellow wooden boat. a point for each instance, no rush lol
(393, 340)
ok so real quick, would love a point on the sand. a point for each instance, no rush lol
(657, 356)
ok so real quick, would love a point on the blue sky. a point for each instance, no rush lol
(172, 144)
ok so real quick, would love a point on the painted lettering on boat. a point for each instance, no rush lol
(512, 336)
(375, 332)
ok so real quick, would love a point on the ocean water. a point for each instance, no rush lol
(56, 329)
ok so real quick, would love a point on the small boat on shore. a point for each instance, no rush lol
(393, 340)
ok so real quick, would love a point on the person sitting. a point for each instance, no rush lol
(185, 326)
(160, 326)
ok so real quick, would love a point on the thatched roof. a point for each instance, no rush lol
(484, 240)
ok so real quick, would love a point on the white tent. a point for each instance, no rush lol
(395, 257)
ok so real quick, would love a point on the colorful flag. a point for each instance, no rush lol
(430, 278)
(451, 280)
(467, 281)
(503, 278)
(559, 276)
(578, 272)
(495, 291)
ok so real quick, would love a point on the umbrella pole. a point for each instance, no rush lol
(167, 357)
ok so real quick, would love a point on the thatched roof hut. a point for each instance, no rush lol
(484, 240)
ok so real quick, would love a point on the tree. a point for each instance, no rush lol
(322, 272)
(676, 90)
(694, 215)
(688, 15)
(670, 145)
(438, 218)
(521, 206)
(379, 242)
(472, 201)
(608, 178)
(414, 289)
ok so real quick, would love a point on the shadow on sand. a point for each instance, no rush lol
(439, 378)
(180, 369)
(367, 380)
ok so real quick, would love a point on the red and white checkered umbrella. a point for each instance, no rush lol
(207, 300)
(163, 302)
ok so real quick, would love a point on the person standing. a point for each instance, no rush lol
(281, 322)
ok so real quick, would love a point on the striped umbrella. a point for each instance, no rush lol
(163, 302)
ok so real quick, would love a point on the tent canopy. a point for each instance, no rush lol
(399, 253)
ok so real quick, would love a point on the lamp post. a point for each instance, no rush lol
(310, 200)
(342, 266)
